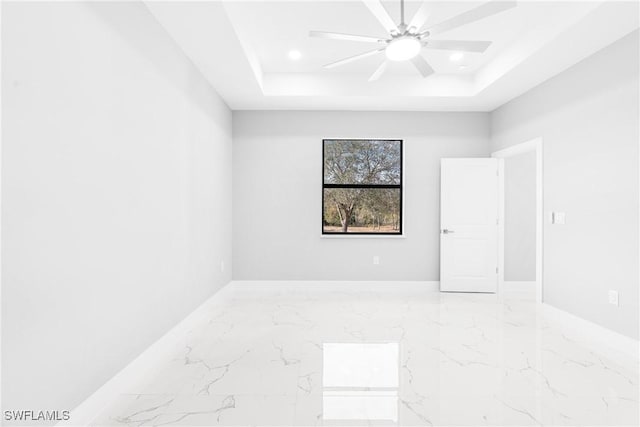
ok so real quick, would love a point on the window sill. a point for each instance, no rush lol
(362, 236)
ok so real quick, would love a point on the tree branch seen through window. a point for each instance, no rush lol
(362, 186)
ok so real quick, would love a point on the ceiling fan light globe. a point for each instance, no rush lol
(403, 49)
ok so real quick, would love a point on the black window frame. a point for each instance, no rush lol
(400, 186)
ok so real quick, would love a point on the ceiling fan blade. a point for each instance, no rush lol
(381, 69)
(378, 10)
(480, 12)
(421, 16)
(460, 45)
(422, 65)
(349, 37)
(354, 58)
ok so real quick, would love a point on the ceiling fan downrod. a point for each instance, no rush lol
(402, 28)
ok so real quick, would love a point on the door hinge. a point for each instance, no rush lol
(496, 270)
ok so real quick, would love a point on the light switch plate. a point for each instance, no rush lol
(613, 298)
(560, 218)
(376, 260)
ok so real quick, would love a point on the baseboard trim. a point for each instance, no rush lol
(145, 364)
(519, 285)
(602, 340)
(240, 286)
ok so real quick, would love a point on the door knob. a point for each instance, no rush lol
(445, 231)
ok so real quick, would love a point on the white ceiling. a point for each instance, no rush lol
(242, 48)
(272, 38)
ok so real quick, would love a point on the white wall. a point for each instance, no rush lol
(116, 195)
(277, 179)
(520, 217)
(588, 119)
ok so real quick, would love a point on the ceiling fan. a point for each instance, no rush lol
(405, 41)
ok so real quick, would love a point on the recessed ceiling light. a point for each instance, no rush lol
(462, 67)
(294, 55)
(456, 56)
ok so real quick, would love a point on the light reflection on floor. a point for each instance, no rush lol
(360, 382)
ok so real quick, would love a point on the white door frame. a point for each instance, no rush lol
(524, 147)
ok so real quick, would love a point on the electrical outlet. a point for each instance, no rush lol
(221, 266)
(613, 298)
(376, 260)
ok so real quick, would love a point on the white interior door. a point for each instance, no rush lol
(469, 225)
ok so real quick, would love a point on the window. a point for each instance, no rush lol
(362, 186)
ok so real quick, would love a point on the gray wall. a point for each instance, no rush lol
(520, 217)
(277, 178)
(116, 195)
(588, 119)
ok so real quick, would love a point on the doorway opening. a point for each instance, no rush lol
(520, 218)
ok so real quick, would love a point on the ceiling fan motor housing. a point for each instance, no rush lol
(403, 48)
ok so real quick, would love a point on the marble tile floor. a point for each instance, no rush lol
(357, 356)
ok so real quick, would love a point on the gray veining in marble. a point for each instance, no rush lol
(462, 359)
